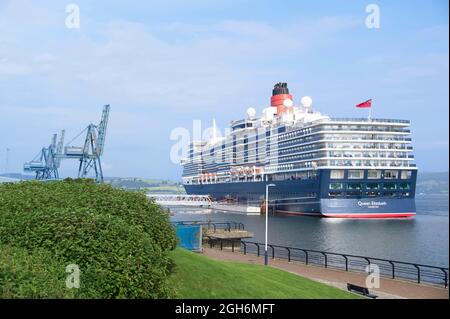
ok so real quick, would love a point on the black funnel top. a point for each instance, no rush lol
(280, 88)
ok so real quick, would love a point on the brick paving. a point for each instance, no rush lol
(389, 288)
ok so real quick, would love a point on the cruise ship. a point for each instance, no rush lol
(317, 165)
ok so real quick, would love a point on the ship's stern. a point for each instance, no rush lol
(368, 193)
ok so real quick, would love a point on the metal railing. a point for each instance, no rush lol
(388, 268)
(328, 129)
(365, 119)
(226, 225)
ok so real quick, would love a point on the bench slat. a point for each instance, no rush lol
(361, 290)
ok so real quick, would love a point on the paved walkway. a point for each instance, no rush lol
(388, 288)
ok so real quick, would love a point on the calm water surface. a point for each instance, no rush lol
(422, 239)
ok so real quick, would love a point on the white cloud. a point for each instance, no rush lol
(14, 69)
(419, 68)
(153, 74)
(176, 65)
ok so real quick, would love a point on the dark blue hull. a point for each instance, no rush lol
(312, 197)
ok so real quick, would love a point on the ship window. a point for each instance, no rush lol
(405, 186)
(354, 186)
(336, 186)
(302, 175)
(407, 194)
(335, 194)
(373, 186)
(353, 193)
(389, 186)
(389, 194)
(312, 175)
(337, 174)
(373, 174)
(278, 177)
(373, 194)
(406, 174)
(390, 174)
(353, 174)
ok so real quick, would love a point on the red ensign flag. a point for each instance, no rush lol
(367, 103)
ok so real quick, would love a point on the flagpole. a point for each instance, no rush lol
(367, 104)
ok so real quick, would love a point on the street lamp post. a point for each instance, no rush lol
(266, 254)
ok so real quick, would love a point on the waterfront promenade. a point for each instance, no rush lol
(389, 289)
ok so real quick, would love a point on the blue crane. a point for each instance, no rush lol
(93, 148)
(47, 162)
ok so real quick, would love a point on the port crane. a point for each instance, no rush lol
(47, 162)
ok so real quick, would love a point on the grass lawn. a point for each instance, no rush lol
(197, 276)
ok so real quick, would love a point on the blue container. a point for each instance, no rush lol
(189, 236)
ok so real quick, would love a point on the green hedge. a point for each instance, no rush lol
(31, 275)
(120, 240)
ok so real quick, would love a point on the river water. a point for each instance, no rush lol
(422, 239)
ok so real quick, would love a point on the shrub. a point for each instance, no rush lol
(31, 275)
(119, 239)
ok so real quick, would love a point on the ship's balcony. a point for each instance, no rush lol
(342, 139)
(342, 153)
(361, 164)
(293, 150)
(367, 120)
(295, 135)
(342, 129)
(346, 160)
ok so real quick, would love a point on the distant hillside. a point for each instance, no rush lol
(133, 183)
(17, 176)
(427, 183)
(432, 183)
(130, 183)
(8, 180)
(150, 185)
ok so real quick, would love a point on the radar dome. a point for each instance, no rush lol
(251, 112)
(288, 103)
(306, 101)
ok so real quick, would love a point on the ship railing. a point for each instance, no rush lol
(392, 269)
(356, 148)
(324, 139)
(327, 130)
(365, 119)
(297, 166)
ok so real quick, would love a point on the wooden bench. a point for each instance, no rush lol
(360, 290)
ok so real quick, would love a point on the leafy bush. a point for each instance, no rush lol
(120, 240)
(36, 275)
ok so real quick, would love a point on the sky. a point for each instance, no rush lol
(162, 64)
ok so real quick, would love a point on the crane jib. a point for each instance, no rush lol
(47, 162)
